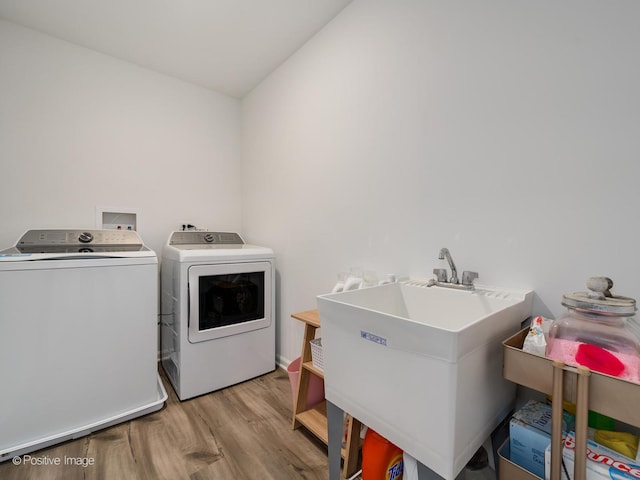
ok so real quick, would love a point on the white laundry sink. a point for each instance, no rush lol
(422, 365)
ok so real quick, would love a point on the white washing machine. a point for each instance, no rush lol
(218, 311)
(78, 349)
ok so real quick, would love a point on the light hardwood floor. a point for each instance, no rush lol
(241, 432)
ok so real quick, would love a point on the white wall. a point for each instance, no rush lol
(80, 130)
(507, 131)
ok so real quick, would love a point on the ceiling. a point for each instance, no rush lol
(229, 46)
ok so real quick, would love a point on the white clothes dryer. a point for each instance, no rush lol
(217, 311)
(79, 319)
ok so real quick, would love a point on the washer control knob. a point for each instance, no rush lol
(209, 237)
(85, 237)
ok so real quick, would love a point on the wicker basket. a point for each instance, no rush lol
(316, 353)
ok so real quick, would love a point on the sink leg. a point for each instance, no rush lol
(425, 473)
(334, 425)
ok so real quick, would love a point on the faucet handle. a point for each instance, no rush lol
(441, 274)
(469, 277)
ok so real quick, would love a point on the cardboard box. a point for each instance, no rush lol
(602, 463)
(530, 435)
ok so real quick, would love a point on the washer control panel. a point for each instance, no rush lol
(84, 241)
(75, 237)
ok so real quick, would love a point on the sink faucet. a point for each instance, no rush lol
(444, 254)
(441, 274)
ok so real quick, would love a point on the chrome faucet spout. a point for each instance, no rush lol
(444, 254)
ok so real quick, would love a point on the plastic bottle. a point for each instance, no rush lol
(354, 279)
(339, 286)
(381, 459)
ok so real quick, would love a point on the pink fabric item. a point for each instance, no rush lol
(566, 351)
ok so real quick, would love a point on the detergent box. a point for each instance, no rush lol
(530, 435)
(602, 463)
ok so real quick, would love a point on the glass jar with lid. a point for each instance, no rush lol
(596, 332)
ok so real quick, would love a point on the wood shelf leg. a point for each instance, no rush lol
(300, 402)
(352, 445)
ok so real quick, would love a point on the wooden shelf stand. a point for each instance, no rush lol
(314, 419)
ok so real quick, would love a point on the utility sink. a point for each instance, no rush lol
(422, 365)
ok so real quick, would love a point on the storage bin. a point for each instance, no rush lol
(315, 393)
(316, 353)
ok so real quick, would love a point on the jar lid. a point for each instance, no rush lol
(600, 300)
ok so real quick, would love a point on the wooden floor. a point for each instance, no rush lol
(242, 432)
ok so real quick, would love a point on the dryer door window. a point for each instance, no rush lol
(228, 299)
